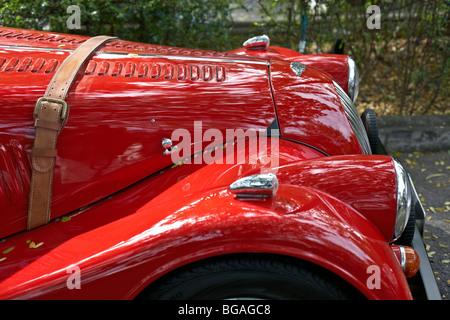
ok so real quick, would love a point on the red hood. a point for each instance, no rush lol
(132, 95)
(128, 98)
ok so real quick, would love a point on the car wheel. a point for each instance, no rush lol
(250, 276)
(407, 236)
(369, 119)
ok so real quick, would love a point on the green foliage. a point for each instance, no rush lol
(403, 65)
(185, 23)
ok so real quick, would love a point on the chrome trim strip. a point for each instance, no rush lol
(218, 59)
(354, 119)
(402, 257)
(34, 48)
(265, 63)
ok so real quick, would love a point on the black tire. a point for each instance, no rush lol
(369, 119)
(254, 276)
(407, 236)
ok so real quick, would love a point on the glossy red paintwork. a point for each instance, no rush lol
(351, 179)
(113, 136)
(309, 104)
(140, 234)
(110, 140)
(335, 65)
(128, 215)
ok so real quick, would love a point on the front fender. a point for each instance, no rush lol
(122, 244)
(119, 259)
(299, 221)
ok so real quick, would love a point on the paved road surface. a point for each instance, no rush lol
(430, 172)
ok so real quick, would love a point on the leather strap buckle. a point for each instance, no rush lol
(48, 123)
(62, 102)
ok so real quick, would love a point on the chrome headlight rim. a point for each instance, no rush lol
(353, 79)
(404, 199)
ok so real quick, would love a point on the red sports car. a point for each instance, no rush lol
(130, 170)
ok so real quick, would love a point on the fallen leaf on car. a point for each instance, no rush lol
(8, 250)
(33, 245)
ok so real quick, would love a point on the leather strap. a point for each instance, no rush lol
(50, 114)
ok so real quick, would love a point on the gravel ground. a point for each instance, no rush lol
(430, 172)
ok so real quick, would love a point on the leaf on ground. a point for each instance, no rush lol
(434, 175)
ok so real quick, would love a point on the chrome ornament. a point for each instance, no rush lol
(258, 42)
(298, 68)
(259, 186)
(168, 146)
